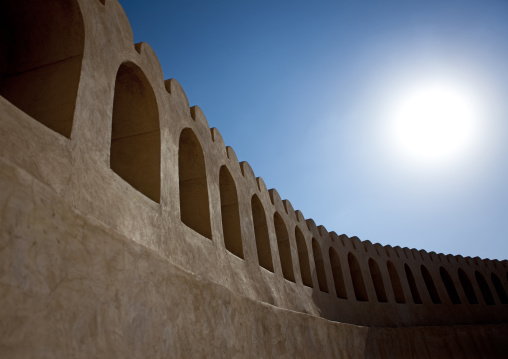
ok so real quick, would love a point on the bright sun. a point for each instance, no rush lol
(434, 123)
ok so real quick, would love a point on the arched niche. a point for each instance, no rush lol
(377, 281)
(230, 213)
(261, 234)
(135, 153)
(284, 247)
(429, 283)
(467, 287)
(41, 51)
(484, 288)
(357, 278)
(415, 294)
(303, 258)
(338, 278)
(499, 289)
(449, 285)
(396, 284)
(320, 266)
(194, 205)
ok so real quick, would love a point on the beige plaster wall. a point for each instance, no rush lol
(76, 169)
(71, 287)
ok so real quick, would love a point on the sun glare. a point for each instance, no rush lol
(434, 123)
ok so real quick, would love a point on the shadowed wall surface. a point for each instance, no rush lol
(71, 285)
(136, 230)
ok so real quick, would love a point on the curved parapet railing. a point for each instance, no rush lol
(130, 152)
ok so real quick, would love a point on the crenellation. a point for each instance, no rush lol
(178, 96)
(354, 242)
(433, 257)
(247, 172)
(366, 245)
(311, 226)
(217, 138)
(219, 146)
(168, 84)
(230, 152)
(299, 216)
(132, 156)
(335, 238)
(275, 199)
(408, 253)
(288, 207)
(487, 263)
(388, 249)
(199, 117)
(262, 186)
(416, 254)
(345, 240)
(323, 232)
(137, 46)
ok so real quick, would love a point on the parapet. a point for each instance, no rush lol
(89, 115)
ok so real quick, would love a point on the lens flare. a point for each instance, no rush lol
(434, 123)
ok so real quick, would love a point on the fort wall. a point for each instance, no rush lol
(97, 147)
(72, 287)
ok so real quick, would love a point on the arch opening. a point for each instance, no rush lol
(284, 247)
(429, 283)
(338, 278)
(261, 234)
(484, 288)
(230, 213)
(135, 152)
(303, 258)
(467, 287)
(499, 289)
(412, 285)
(398, 293)
(41, 52)
(357, 278)
(194, 205)
(377, 281)
(450, 287)
(320, 266)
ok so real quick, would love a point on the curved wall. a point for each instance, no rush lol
(169, 187)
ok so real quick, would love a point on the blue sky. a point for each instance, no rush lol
(304, 91)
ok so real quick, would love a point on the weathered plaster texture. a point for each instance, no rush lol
(129, 229)
(72, 287)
